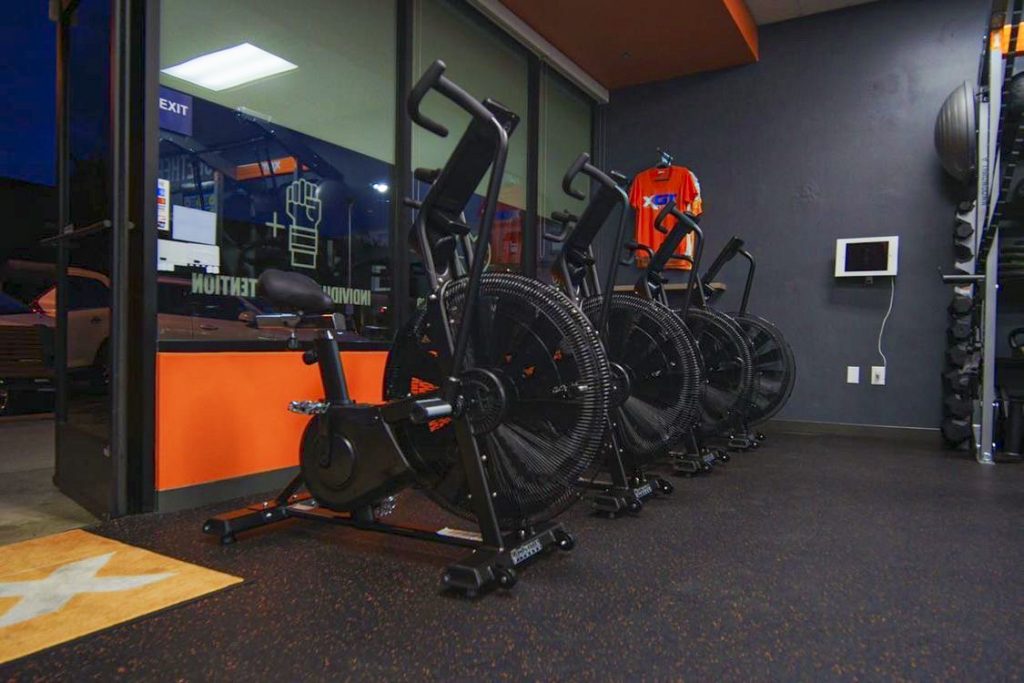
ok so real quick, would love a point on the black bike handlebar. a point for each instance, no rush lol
(665, 212)
(564, 217)
(681, 217)
(634, 247)
(733, 247)
(685, 224)
(583, 165)
(659, 223)
(670, 209)
(571, 174)
(433, 79)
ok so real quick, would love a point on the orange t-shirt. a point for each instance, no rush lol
(651, 191)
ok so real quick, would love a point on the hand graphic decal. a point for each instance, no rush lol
(304, 211)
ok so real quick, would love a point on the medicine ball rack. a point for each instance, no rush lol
(979, 135)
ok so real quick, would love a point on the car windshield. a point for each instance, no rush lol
(9, 305)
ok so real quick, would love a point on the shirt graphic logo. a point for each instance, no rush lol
(655, 201)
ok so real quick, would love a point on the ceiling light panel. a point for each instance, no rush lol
(230, 67)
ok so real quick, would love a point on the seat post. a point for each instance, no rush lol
(332, 374)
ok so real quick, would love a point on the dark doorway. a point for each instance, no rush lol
(92, 167)
(30, 503)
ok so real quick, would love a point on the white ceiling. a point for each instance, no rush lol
(771, 11)
(345, 52)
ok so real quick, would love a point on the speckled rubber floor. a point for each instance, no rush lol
(815, 558)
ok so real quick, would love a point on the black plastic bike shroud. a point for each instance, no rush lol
(667, 251)
(438, 212)
(447, 198)
(576, 252)
(730, 250)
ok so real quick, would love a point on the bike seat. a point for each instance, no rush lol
(293, 291)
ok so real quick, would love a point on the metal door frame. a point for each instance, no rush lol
(133, 46)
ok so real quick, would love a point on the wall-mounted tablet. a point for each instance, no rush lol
(867, 256)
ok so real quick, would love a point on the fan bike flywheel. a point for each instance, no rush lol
(727, 369)
(774, 369)
(658, 358)
(535, 394)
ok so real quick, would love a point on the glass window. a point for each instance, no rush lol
(84, 293)
(288, 165)
(11, 306)
(174, 298)
(221, 307)
(486, 63)
(565, 121)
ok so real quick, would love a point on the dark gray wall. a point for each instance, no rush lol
(828, 136)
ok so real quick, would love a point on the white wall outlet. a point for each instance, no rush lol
(852, 374)
(878, 374)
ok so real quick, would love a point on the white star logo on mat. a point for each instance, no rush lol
(45, 596)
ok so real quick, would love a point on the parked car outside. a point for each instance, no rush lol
(27, 329)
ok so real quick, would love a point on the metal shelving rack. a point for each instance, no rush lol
(977, 277)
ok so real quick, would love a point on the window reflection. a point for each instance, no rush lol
(489, 65)
(565, 119)
(288, 168)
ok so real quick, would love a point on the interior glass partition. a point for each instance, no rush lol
(565, 133)
(277, 150)
(488, 64)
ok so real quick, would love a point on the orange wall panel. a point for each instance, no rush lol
(224, 415)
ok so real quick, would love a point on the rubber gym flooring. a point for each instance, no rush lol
(815, 558)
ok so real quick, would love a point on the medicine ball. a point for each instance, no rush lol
(962, 252)
(955, 138)
(961, 304)
(956, 431)
(960, 328)
(1016, 341)
(962, 230)
(958, 407)
(1015, 194)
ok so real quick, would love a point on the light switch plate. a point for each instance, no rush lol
(852, 374)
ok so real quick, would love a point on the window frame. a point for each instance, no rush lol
(401, 215)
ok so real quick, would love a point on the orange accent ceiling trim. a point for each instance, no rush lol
(621, 43)
(746, 24)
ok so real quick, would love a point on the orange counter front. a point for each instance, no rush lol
(223, 415)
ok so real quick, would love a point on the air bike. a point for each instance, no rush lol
(773, 369)
(497, 390)
(724, 355)
(656, 375)
(749, 367)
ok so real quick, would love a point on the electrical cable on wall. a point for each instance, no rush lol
(881, 331)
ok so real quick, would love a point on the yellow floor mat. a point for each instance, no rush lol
(61, 587)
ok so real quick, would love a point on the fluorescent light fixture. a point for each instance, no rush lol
(229, 67)
(381, 187)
